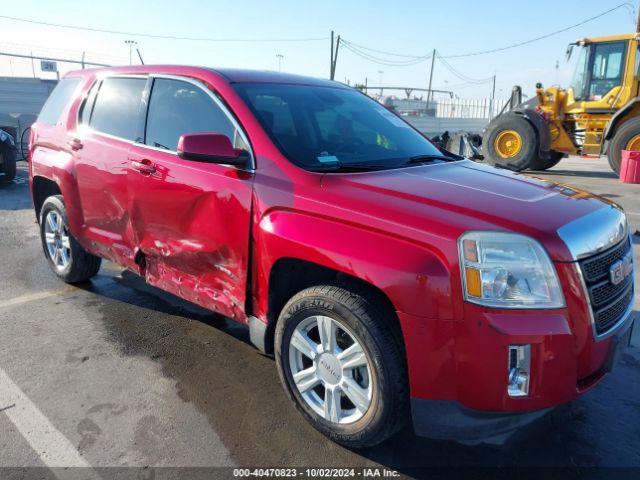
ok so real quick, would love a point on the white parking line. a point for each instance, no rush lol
(33, 296)
(52, 447)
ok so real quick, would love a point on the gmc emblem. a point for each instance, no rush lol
(621, 269)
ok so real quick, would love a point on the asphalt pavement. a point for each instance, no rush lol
(114, 373)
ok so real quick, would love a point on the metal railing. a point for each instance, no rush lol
(469, 108)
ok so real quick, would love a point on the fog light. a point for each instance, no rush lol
(519, 370)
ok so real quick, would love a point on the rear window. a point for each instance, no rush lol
(116, 107)
(58, 100)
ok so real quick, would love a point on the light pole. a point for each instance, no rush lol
(380, 72)
(131, 43)
(279, 56)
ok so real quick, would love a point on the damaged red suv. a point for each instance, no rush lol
(392, 281)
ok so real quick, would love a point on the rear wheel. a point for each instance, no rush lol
(510, 141)
(66, 257)
(547, 163)
(627, 137)
(7, 164)
(341, 365)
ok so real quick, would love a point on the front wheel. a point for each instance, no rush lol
(342, 366)
(510, 142)
(66, 257)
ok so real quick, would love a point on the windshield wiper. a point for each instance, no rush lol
(348, 167)
(428, 158)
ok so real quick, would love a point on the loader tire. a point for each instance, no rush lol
(547, 163)
(510, 142)
(627, 137)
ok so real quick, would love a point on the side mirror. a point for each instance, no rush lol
(211, 148)
(569, 51)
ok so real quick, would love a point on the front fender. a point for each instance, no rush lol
(414, 278)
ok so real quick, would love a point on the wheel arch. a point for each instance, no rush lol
(42, 189)
(290, 275)
(618, 118)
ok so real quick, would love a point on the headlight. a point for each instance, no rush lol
(507, 270)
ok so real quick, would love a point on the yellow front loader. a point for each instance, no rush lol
(598, 114)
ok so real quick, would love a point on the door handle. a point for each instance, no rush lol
(75, 144)
(144, 166)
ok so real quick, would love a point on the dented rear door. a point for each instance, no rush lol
(191, 220)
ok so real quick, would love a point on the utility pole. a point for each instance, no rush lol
(638, 20)
(279, 56)
(140, 56)
(82, 62)
(335, 58)
(380, 72)
(33, 68)
(331, 58)
(433, 61)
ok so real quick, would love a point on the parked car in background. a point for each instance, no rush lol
(392, 281)
(7, 157)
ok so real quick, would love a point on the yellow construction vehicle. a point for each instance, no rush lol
(598, 114)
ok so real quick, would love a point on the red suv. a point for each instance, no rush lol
(391, 280)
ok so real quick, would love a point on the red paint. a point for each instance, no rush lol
(210, 144)
(212, 233)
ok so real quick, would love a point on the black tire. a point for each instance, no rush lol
(7, 163)
(546, 164)
(82, 265)
(528, 153)
(369, 322)
(620, 141)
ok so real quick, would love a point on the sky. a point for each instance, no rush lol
(404, 27)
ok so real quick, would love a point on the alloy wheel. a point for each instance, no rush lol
(57, 240)
(330, 369)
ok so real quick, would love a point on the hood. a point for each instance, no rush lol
(451, 198)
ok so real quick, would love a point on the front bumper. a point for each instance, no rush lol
(450, 420)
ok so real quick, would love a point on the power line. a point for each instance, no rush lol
(362, 47)
(382, 61)
(462, 76)
(153, 35)
(419, 58)
(542, 37)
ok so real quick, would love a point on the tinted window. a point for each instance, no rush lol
(176, 108)
(318, 126)
(116, 107)
(58, 100)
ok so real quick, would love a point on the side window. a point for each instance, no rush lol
(177, 107)
(116, 107)
(608, 64)
(58, 100)
(87, 107)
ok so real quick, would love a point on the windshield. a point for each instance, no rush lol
(598, 70)
(318, 128)
(579, 80)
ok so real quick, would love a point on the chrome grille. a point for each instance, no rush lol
(609, 302)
